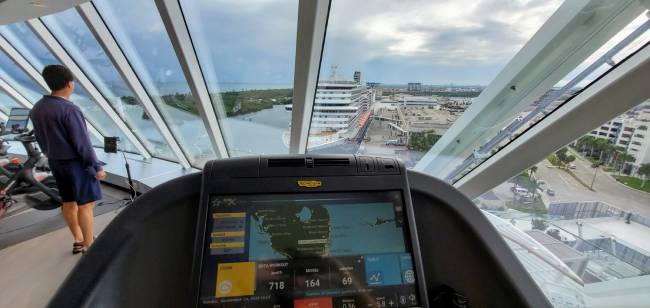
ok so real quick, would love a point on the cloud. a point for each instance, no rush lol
(390, 41)
(431, 35)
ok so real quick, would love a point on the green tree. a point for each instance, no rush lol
(644, 171)
(586, 142)
(607, 151)
(622, 159)
(539, 224)
(422, 141)
(561, 154)
(599, 145)
(564, 158)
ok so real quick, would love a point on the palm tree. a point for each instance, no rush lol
(608, 151)
(644, 171)
(624, 158)
(585, 142)
(600, 145)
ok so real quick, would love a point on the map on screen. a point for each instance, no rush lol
(308, 250)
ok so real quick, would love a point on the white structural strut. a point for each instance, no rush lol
(626, 85)
(510, 131)
(61, 54)
(574, 32)
(172, 17)
(19, 98)
(35, 75)
(15, 55)
(97, 26)
(312, 24)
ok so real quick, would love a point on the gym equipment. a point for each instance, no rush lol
(301, 231)
(27, 180)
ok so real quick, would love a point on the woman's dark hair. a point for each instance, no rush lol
(57, 76)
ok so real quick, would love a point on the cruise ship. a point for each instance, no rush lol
(341, 108)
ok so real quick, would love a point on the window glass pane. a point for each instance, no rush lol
(28, 44)
(6, 103)
(614, 51)
(18, 79)
(396, 75)
(71, 31)
(586, 207)
(139, 30)
(247, 59)
(30, 47)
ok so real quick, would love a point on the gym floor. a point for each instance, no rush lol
(32, 270)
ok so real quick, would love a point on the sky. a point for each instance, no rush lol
(433, 42)
(390, 41)
(251, 44)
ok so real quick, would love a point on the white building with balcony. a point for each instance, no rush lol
(340, 108)
(630, 131)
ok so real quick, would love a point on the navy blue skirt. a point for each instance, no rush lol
(75, 183)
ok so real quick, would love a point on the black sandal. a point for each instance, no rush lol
(77, 248)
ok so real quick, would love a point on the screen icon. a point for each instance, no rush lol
(235, 279)
(382, 270)
(320, 302)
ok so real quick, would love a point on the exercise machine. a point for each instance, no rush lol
(40, 186)
(300, 231)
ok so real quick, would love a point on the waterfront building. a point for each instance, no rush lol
(414, 87)
(631, 132)
(341, 107)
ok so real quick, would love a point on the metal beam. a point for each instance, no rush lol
(103, 35)
(626, 84)
(574, 32)
(172, 16)
(15, 55)
(312, 24)
(35, 75)
(13, 93)
(60, 53)
(511, 130)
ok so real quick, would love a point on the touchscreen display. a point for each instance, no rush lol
(316, 250)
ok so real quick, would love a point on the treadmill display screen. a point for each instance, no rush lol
(316, 250)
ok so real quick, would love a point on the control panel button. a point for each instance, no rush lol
(320, 302)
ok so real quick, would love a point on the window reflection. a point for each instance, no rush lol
(74, 35)
(627, 41)
(141, 34)
(585, 205)
(28, 44)
(30, 47)
(19, 80)
(247, 59)
(395, 76)
(6, 103)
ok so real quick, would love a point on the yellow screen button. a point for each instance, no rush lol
(235, 279)
(226, 245)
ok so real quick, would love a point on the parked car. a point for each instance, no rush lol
(550, 192)
(572, 166)
(520, 190)
(541, 182)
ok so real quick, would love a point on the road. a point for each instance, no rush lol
(606, 188)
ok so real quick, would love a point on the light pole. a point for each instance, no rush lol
(595, 166)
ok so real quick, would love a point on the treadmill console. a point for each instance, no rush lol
(308, 244)
(336, 231)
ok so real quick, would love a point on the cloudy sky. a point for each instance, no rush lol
(390, 41)
(434, 42)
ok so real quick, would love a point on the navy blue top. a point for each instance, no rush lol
(60, 130)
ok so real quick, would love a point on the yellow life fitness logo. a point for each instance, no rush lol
(310, 183)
